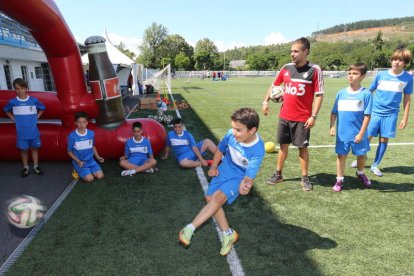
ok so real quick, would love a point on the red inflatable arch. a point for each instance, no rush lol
(46, 24)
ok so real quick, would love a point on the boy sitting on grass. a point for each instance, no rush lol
(187, 152)
(243, 152)
(138, 156)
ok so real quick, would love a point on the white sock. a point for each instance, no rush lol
(359, 172)
(191, 226)
(228, 232)
(340, 178)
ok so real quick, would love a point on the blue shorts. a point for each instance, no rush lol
(90, 168)
(137, 161)
(190, 155)
(230, 187)
(385, 126)
(344, 148)
(25, 144)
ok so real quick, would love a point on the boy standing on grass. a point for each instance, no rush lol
(138, 156)
(81, 148)
(391, 87)
(352, 111)
(24, 110)
(243, 152)
(187, 152)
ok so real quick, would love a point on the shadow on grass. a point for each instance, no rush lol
(399, 169)
(267, 246)
(352, 182)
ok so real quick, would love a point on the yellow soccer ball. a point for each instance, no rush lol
(270, 147)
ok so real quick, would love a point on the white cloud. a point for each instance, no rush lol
(223, 46)
(130, 42)
(275, 38)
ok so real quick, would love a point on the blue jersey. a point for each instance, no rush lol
(351, 107)
(180, 144)
(390, 87)
(240, 159)
(81, 145)
(25, 116)
(138, 149)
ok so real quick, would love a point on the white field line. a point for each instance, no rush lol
(232, 258)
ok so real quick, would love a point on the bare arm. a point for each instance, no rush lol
(316, 107)
(216, 160)
(265, 105)
(360, 135)
(97, 156)
(199, 156)
(10, 115)
(79, 162)
(406, 104)
(332, 130)
(245, 185)
(166, 153)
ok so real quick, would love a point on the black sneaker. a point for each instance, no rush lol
(25, 172)
(275, 178)
(38, 171)
(306, 185)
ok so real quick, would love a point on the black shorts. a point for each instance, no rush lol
(291, 132)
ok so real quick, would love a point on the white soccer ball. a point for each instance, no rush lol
(276, 95)
(25, 211)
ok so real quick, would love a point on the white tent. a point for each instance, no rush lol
(122, 64)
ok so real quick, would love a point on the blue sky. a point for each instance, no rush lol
(228, 23)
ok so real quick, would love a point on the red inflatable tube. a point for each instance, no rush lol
(46, 24)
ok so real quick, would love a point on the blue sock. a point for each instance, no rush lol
(382, 147)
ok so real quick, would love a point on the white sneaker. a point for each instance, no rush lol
(128, 172)
(376, 171)
(150, 170)
(354, 164)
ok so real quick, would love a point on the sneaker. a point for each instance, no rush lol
(364, 179)
(376, 171)
(25, 172)
(227, 242)
(354, 164)
(275, 178)
(75, 174)
(185, 235)
(338, 186)
(150, 170)
(128, 172)
(306, 185)
(37, 170)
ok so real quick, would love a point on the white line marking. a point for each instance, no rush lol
(232, 258)
(372, 145)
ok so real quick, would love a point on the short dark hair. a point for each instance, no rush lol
(136, 124)
(177, 121)
(20, 82)
(360, 67)
(304, 41)
(246, 116)
(81, 114)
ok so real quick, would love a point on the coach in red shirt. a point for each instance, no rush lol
(302, 82)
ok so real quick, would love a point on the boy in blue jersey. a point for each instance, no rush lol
(188, 153)
(138, 156)
(241, 152)
(82, 150)
(352, 112)
(24, 110)
(391, 87)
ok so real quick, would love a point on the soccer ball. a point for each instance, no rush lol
(276, 95)
(270, 147)
(25, 211)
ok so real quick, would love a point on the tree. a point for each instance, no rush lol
(121, 47)
(378, 42)
(182, 61)
(174, 45)
(154, 35)
(257, 62)
(205, 54)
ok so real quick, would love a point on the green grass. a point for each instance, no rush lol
(129, 226)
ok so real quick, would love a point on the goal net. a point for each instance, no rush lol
(160, 81)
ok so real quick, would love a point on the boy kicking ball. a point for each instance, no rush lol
(241, 152)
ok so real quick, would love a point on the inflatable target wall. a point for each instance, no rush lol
(46, 24)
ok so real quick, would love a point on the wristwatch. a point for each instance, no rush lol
(315, 116)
